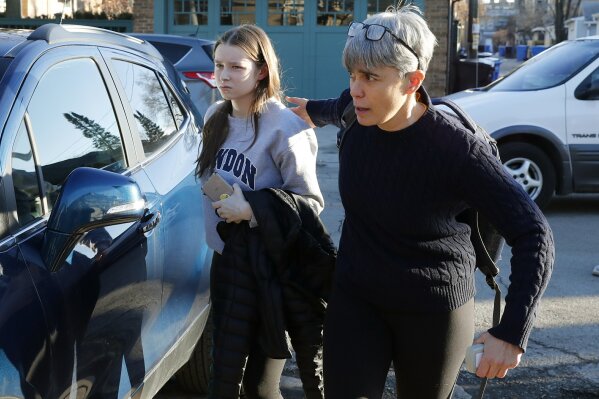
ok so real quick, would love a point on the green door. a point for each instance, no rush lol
(308, 35)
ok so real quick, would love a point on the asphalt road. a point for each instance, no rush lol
(562, 360)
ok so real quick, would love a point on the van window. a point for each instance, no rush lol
(547, 69)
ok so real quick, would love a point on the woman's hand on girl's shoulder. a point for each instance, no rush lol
(300, 109)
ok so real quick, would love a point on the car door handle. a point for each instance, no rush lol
(149, 221)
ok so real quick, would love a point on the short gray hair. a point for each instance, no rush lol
(407, 23)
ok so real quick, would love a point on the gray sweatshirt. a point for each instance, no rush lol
(283, 156)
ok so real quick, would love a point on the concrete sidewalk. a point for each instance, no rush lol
(327, 170)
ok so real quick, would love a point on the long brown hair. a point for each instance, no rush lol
(257, 46)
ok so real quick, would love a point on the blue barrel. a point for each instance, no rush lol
(488, 48)
(495, 63)
(501, 50)
(534, 50)
(496, 69)
(521, 51)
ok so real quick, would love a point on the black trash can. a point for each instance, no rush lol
(509, 52)
(472, 73)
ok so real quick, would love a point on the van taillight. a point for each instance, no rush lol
(207, 77)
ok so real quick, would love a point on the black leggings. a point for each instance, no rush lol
(262, 374)
(361, 340)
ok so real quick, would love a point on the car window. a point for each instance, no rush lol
(4, 62)
(550, 68)
(209, 50)
(588, 89)
(171, 51)
(153, 116)
(176, 109)
(25, 179)
(73, 123)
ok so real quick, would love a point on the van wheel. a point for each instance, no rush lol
(194, 376)
(530, 167)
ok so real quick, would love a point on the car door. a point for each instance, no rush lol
(169, 144)
(96, 316)
(582, 125)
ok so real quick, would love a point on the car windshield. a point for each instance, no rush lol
(550, 68)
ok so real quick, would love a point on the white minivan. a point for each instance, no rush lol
(545, 118)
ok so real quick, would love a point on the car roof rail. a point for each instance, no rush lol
(55, 33)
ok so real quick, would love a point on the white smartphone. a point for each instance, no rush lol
(473, 355)
(217, 188)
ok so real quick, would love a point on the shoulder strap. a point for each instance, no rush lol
(459, 112)
(347, 120)
(468, 123)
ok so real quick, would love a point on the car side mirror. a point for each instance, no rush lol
(89, 198)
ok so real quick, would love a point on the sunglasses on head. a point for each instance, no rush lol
(375, 32)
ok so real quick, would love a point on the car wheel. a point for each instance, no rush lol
(194, 376)
(530, 167)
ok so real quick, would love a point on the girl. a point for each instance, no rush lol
(254, 142)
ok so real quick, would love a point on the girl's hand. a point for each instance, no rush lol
(234, 209)
(300, 110)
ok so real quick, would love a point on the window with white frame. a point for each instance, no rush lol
(334, 12)
(237, 12)
(190, 12)
(286, 13)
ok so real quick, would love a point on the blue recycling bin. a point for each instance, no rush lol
(496, 69)
(534, 50)
(501, 50)
(489, 48)
(521, 51)
(495, 63)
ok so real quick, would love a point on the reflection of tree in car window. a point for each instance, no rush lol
(73, 122)
(153, 115)
(153, 98)
(101, 138)
(152, 131)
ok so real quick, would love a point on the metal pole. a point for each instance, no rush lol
(473, 28)
(451, 48)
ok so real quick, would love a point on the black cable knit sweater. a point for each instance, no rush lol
(401, 246)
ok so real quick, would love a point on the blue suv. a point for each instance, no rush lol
(104, 270)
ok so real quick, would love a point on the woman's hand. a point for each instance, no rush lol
(300, 110)
(234, 209)
(498, 357)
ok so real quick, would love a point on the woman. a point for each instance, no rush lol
(404, 281)
(268, 155)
